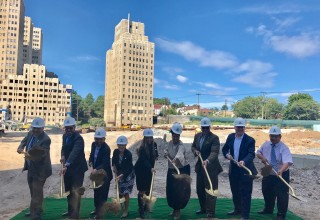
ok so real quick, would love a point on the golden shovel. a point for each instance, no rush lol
(285, 182)
(246, 168)
(150, 200)
(210, 191)
(61, 194)
(93, 181)
(115, 205)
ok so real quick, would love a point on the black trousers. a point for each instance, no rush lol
(207, 202)
(241, 188)
(100, 197)
(273, 188)
(36, 192)
(72, 181)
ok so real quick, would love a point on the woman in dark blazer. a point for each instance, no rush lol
(123, 169)
(100, 159)
(144, 167)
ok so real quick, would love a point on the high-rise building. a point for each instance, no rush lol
(27, 40)
(35, 93)
(32, 43)
(11, 37)
(129, 76)
(37, 46)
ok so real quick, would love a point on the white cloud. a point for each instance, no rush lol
(298, 46)
(285, 23)
(189, 51)
(274, 9)
(171, 70)
(254, 73)
(85, 58)
(182, 79)
(164, 84)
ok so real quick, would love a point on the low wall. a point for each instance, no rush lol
(305, 161)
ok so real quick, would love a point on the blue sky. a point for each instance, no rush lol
(223, 50)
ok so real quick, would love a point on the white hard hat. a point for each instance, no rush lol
(69, 121)
(240, 122)
(205, 122)
(122, 140)
(37, 123)
(100, 133)
(176, 128)
(147, 132)
(275, 130)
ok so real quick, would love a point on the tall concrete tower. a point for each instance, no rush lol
(129, 76)
(11, 37)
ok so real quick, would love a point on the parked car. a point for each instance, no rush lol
(135, 127)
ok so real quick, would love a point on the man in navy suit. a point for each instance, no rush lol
(240, 147)
(100, 159)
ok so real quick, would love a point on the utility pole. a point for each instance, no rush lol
(263, 101)
(198, 94)
(225, 109)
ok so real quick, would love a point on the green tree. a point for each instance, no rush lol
(181, 104)
(97, 122)
(224, 108)
(273, 109)
(162, 101)
(249, 107)
(301, 107)
(76, 101)
(98, 107)
(86, 105)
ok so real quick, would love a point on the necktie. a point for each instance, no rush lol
(274, 158)
(201, 141)
(31, 143)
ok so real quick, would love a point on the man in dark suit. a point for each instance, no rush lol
(38, 169)
(240, 147)
(75, 165)
(208, 145)
(100, 159)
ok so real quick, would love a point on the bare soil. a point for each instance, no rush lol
(14, 192)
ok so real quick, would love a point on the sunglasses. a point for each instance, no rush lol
(98, 139)
(68, 128)
(205, 128)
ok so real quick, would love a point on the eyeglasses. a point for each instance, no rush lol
(98, 139)
(68, 128)
(274, 135)
(204, 128)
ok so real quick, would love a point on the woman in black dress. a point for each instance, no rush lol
(123, 169)
(144, 167)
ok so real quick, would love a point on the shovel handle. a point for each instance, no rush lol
(283, 180)
(175, 167)
(152, 181)
(244, 167)
(205, 169)
(61, 182)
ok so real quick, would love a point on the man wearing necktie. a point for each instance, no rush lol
(240, 147)
(75, 165)
(277, 154)
(38, 170)
(208, 145)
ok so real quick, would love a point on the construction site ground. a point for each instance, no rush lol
(14, 191)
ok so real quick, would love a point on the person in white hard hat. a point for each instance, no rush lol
(208, 145)
(74, 166)
(144, 168)
(123, 169)
(176, 151)
(38, 170)
(100, 160)
(240, 147)
(277, 154)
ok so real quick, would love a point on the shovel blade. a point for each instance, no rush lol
(266, 170)
(213, 192)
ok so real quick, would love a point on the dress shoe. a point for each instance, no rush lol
(125, 215)
(210, 215)
(280, 218)
(263, 211)
(200, 212)
(65, 214)
(27, 214)
(233, 213)
(93, 212)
